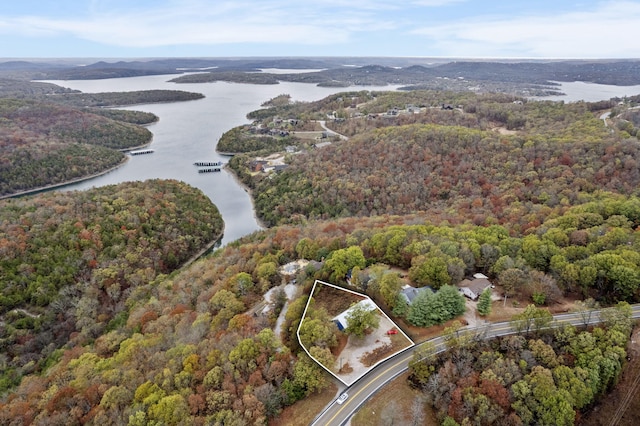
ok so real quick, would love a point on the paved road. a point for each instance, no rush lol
(336, 414)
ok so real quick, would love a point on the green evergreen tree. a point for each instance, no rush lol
(484, 302)
(453, 301)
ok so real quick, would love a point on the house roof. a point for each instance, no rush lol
(477, 285)
(410, 293)
(366, 303)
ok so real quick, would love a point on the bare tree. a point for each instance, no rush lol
(417, 411)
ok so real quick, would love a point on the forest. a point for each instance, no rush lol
(187, 347)
(69, 261)
(363, 70)
(44, 144)
(542, 377)
(496, 160)
(111, 99)
(102, 324)
(535, 78)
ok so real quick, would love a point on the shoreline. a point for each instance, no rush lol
(80, 179)
(69, 182)
(207, 248)
(250, 192)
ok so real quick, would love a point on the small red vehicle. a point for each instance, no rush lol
(392, 331)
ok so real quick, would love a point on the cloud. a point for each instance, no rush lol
(435, 3)
(415, 27)
(195, 22)
(609, 30)
(146, 23)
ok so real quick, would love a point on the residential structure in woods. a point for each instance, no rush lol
(473, 288)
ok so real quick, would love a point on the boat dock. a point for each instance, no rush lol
(141, 151)
(208, 164)
(209, 170)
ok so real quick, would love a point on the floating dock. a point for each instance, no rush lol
(141, 151)
(208, 164)
(209, 170)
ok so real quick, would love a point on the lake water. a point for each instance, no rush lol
(591, 92)
(189, 131)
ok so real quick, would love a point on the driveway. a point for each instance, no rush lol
(357, 347)
(331, 132)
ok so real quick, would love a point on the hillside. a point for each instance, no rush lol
(45, 144)
(533, 78)
(70, 260)
(100, 324)
(189, 347)
(492, 159)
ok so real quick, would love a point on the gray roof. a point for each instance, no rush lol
(409, 293)
(478, 285)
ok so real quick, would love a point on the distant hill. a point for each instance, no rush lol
(354, 71)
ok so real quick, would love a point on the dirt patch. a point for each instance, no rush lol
(334, 300)
(345, 369)
(343, 339)
(502, 310)
(420, 334)
(504, 131)
(622, 405)
(397, 402)
(356, 347)
(381, 352)
(471, 315)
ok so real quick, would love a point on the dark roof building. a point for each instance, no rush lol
(409, 293)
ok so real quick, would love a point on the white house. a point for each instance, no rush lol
(473, 288)
(341, 320)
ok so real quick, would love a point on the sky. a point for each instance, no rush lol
(240, 28)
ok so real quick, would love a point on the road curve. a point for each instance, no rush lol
(323, 124)
(337, 414)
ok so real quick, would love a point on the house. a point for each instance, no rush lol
(473, 288)
(409, 293)
(341, 320)
(257, 165)
(278, 132)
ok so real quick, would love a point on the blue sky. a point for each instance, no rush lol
(422, 28)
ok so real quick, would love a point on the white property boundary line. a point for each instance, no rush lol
(304, 314)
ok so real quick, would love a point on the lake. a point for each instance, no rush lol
(591, 92)
(189, 131)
